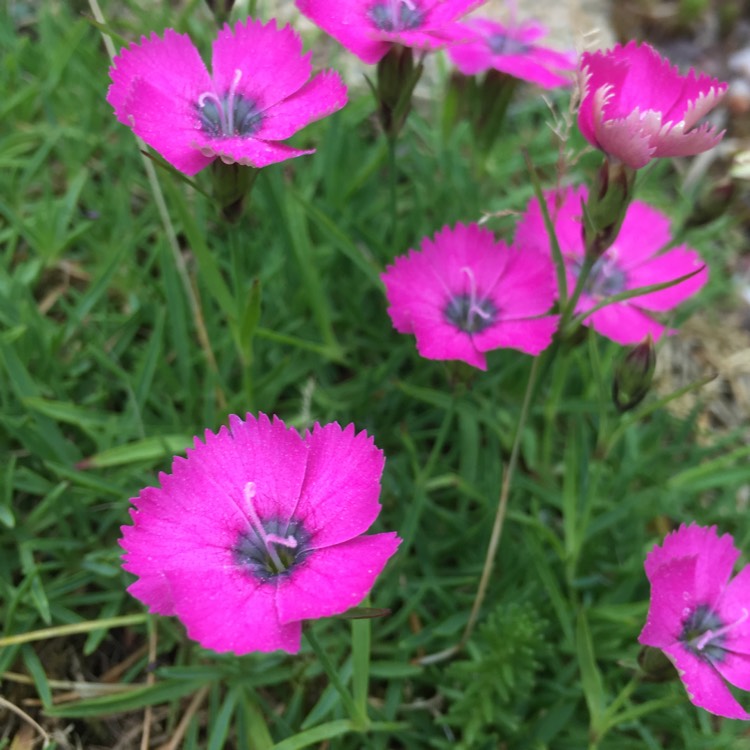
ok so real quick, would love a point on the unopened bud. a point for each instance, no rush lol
(633, 375)
(397, 77)
(606, 207)
(232, 183)
(655, 665)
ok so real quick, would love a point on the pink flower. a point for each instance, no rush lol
(258, 94)
(258, 529)
(369, 28)
(636, 106)
(464, 294)
(633, 261)
(511, 50)
(699, 617)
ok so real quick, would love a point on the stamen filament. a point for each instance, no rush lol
(257, 525)
(709, 635)
(474, 308)
(210, 96)
(230, 102)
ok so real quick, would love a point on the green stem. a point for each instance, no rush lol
(497, 526)
(392, 180)
(361, 641)
(359, 719)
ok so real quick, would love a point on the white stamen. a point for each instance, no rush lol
(474, 308)
(230, 102)
(210, 96)
(709, 635)
(268, 539)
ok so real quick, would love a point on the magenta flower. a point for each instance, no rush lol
(258, 529)
(633, 261)
(463, 294)
(636, 106)
(258, 94)
(511, 50)
(369, 28)
(699, 617)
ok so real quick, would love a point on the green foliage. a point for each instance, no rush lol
(103, 380)
(488, 692)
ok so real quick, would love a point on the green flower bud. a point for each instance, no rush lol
(633, 375)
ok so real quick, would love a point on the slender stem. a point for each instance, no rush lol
(361, 635)
(392, 179)
(497, 526)
(570, 307)
(161, 206)
(76, 627)
(359, 719)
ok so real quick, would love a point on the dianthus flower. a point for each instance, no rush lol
(258, 529)
(636, 106)
(511, 50)
(369, 28)
(699, 617)
(463, 294)
(634, 260)
(259, 93)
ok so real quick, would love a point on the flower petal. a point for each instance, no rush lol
(270, 60)
(716, 556)
(622, 322)
(672, 599)
(230, 611)
(248, 151)
(339, 497)
(336, 578)
(677, 262)
(532, 335)
(323, 95)
(734, 610)
(704, 685)
(172, 67)
(168, 125)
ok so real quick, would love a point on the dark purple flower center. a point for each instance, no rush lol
(469, 314)
(396, 15)
(502, 44)
(268, 559)
(605, 279)
(269, 549)
(230, 115)
(704, 634)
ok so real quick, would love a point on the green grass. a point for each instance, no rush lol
(102, 380)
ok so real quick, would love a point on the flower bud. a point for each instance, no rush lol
(397, 77)
(231, 184)
(606, 207)
(633, 375)
(655, 665)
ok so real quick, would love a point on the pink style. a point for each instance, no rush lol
(258, 94)
(512, 50)
(634, 260)
(635, 105)
(258, 529)
(464, 293)
(369, 28)
(700, 616)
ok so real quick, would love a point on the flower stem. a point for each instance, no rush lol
(497, 526)
(153, 180)
(392, 179)
(358, 716)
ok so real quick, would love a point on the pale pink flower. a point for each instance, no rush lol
(699, 617)
(369, 28)
(258, 94)
(634, 260)
(464, 293)
(512, 50)
(636, 106)
(258, 529)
